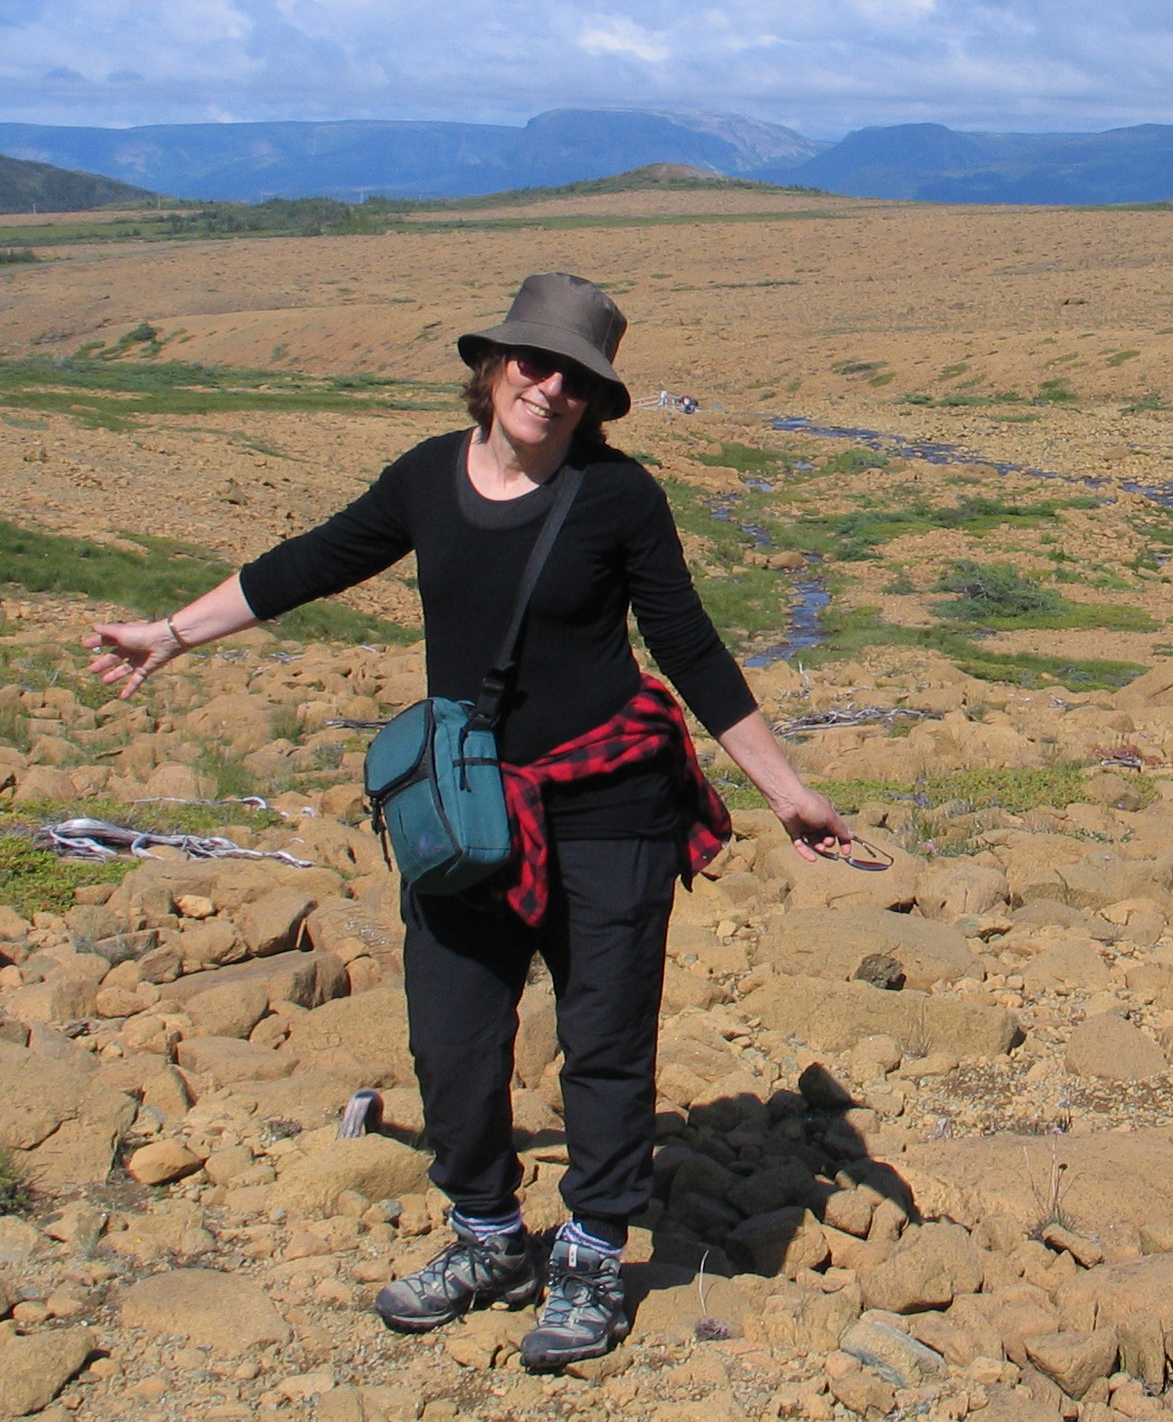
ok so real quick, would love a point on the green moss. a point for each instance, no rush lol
(849, 632)
(1017, 789)
(163, 817)
(34, 880)
(154, 585)
(110, 391)
(746, 459)
(997, 595)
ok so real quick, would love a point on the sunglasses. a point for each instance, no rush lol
(537, 366)
(872, 859)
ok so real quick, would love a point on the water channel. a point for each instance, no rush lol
(804, 629)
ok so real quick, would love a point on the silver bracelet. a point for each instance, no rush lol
(180, 642)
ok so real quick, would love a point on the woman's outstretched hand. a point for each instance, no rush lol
(129, 652)
(814, 825)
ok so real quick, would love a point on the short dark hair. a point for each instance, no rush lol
(479, 387)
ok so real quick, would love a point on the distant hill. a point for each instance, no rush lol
(253, 161)
(25, 187)
(1122, 165)
(931, 163)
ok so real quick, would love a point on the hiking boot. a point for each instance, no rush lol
(467, 1274)
(583, 1314)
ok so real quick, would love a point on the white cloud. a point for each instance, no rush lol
(616, 34)
(823, 66)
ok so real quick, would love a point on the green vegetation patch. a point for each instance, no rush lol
(855, 536)
(746, 459)
(1050, 392)
(154, 817)
(999, 596)
(34, 880)
(849, 632)
(109, 392)
(168, 576)
(1017, 789)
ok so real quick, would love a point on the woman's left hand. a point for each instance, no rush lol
(813, 824)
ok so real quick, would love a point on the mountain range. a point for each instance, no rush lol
(354, 159)
(350, 160)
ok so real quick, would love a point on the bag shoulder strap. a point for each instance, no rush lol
(488, 705)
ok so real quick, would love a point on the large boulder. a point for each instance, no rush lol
(375, 1166)
(1072, 964)
(337, 924)
(831, 884)
(34, 1369)
(273, 923)
(223, 1060)
(1107, 1046)
(837, 943)
(62, 1125)
(1106, 1177)
(229, 1010)
(363, 1038)
(307, 979)
(930, 1266)
(225, 1312)
(949, 888)
(834, 1016)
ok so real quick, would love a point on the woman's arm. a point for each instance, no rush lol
(133, 650)
(812, 822)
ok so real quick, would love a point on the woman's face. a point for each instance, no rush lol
(539, 399)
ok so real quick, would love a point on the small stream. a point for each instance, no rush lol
(804, 628)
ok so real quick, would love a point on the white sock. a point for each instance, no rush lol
(573, 1233)
(486, 1229)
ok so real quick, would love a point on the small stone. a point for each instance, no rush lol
(148, 1389)
(195, 906)
(302, 1386)
(864, 1393)
(899, 1359)
(61, 1303)
(1083, 1251)
(30, 1313)
(161, 1162)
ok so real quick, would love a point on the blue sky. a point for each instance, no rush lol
(823, 67)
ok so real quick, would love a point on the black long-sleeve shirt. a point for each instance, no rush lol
(618, 548)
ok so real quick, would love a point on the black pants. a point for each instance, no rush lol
(603, 940)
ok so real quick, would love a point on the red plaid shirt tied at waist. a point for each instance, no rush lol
(650, 723)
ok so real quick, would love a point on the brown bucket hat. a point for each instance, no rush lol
(567, 316)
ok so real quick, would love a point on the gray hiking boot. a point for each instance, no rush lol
(583, 1314)
(465, 1275)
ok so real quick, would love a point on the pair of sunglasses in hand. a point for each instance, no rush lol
(868, 857)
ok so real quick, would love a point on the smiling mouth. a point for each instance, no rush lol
(540, 411)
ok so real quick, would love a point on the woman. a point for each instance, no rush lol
(470, 504)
